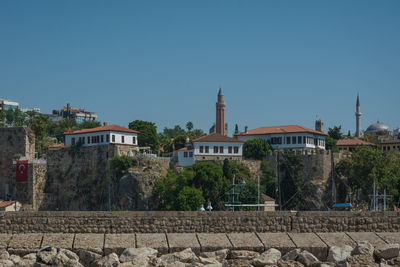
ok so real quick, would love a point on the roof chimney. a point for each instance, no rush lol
(246, 129)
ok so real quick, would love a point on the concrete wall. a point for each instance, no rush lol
(197, 222)
(13, 141)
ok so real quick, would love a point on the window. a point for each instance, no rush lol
(288, 140)
(102, 138)
(236, 150)
(294, 139)
(185, 154)
(122, 139)
(221, 149)
(299, 139)
(107, 138)
(215, 150)
(191, 154)
(93, 140)
(229, 149)
(207, 149)
(98, 139)
(134, 140)
(73, 141)
(83, 140)
(304, 140)
(315, 141)
(201, 149)
(88, 139)
(113, 138)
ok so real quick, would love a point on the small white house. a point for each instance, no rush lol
(211, 147)
(286, 137)
(109, 134)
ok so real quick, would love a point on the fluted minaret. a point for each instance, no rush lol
(220, 120)
(358, 118)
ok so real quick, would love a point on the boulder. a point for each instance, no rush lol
(339, 254)
(15, 259)
(291, 255)
(4, 254)
(130, 253)
(269, 257)
(111, 260)
(243, 255)
(306, 258)
(6, 263)
(184, 256)
(209, 261)
(219, 254)
(87, 257)
(363, 248)
(47, 256)
(387, 251)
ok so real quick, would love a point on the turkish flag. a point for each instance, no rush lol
(22, 171)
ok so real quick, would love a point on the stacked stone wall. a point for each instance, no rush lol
(198, 222)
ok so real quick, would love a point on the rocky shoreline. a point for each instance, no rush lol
(363, 254)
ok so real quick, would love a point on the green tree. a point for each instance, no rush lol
(121, 164)
(19, 117)
(330, 144)
(335, 132)
(174, 132)
(196, 133)
(268, 179)
(2, 115)
(294, 188)
(189, 198)
(179, 141)
(89, 124)
(189, 126)
(367, 165)
(256, 148)
(10, 116)
(165, 142)
(148, 133)
(236, 128)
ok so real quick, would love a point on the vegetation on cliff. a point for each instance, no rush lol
(256, 149)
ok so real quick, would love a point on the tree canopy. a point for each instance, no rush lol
(335, 132)
(148, 133)
(256, 148)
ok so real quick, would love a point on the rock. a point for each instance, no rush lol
(6, 263)
(4, 254)
(127, 264)
(269, 257)
(243, 255)
(363, 248)
(184, 256)
(87, 257)
(30, 256)
(64, 257)
(306, 258)
(361, 260)
(325, 264)
(111, 260)
(292, 255)
(339, 254)
(209, 261)
(387, 251)
(47, 256)
(142, 261)
(71, 255)
(15, 259)
(130, 253)
(219, 254)
(238, 263)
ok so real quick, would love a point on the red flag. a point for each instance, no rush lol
(395, 208)
(22, 171)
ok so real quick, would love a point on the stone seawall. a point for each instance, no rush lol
(196, 222)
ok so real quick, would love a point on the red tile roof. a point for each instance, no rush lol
(279, 130)
(353, 142)
(115, 128)
(6, 204)
(217, 138)
(267, 198)
(56, 145)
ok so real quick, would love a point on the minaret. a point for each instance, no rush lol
(220, 120)
(358, 118)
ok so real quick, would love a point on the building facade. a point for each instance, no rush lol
(286, 137)
(112, 134)
(213, 147)
(350, 144)
(6, 104)
(78, 114)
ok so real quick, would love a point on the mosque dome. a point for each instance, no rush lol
(377, 127)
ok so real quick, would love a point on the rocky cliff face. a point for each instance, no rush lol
(135, 189)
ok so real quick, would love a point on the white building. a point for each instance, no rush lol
(111, 134)
(6, 104)
(286, 137)
(211, 147)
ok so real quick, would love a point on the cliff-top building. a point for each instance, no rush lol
(77, 114)
(286, 137)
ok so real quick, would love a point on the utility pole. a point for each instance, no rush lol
(279, 180)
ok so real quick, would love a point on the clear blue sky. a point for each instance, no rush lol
(278, 62)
